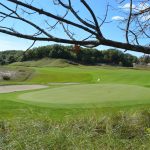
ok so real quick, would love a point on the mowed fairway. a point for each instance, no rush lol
(91, 94)
(99, 87)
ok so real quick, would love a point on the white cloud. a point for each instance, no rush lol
(143, 6)
(137, 7)
(127, 6)
(117, 18)
(145, 18)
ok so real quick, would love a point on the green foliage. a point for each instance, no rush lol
(84, 55)
(59, 51)
(116, 57)
(7, 57)
(145, 59)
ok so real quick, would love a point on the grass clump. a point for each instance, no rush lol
(121, 131)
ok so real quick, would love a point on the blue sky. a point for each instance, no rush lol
(109, 30)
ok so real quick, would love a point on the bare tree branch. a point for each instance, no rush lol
(128, 22)
(136, 24)
(41, 11)
(94, 18)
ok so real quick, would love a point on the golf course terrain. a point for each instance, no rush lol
(55, 105)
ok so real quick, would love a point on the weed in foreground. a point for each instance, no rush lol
(118, 132)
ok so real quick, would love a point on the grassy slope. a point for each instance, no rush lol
(58, 70)
(45, 62)
(91, 75)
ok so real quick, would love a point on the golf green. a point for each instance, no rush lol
(90, 94)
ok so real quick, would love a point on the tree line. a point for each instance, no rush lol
(10, 56)
(84, 56)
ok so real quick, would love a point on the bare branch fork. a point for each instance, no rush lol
(91, 27)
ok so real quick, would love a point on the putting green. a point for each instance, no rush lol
(90, 94)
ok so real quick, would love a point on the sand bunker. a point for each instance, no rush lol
(15, 88)
(63, 83)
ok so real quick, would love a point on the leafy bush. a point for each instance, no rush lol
(6, 77)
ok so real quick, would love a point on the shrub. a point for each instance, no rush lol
(6, 77)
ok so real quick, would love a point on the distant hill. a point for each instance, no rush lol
(44, 62)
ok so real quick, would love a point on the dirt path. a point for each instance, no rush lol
(14, 88)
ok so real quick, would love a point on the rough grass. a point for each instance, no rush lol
(123, 131)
